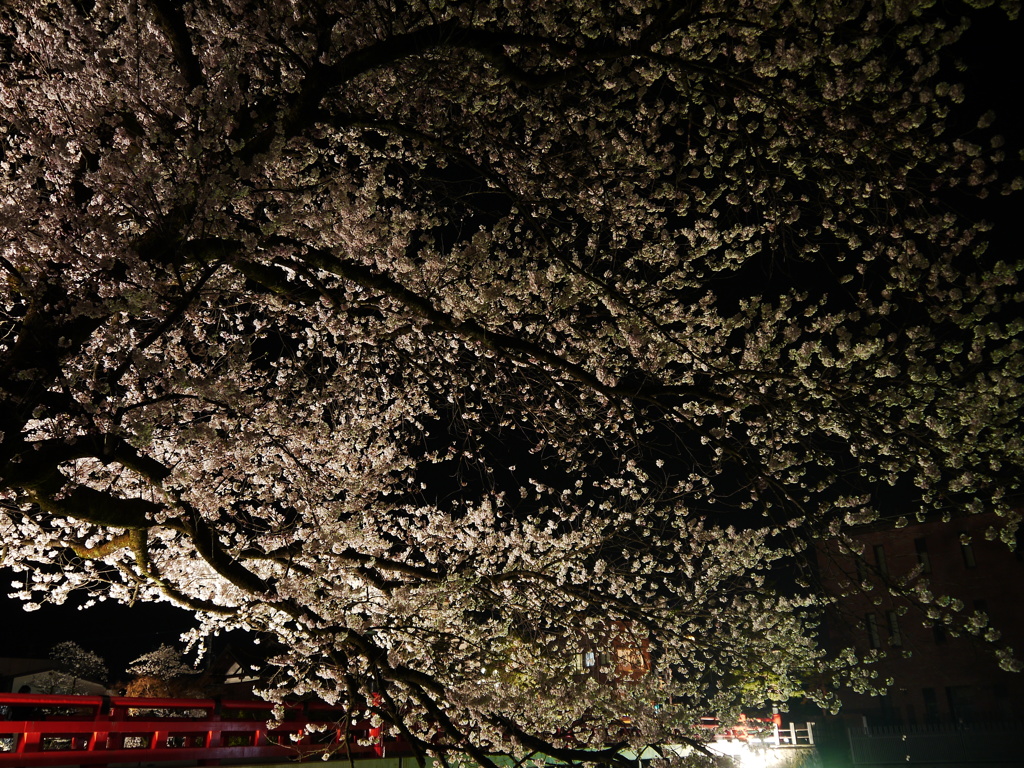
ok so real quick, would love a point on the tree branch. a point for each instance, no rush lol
(172, 22)
(139, 541)
(92, 506)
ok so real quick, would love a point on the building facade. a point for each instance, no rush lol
(942, 674)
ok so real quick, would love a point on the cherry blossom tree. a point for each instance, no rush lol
(447, 346)
(74, 665)
(165, 662)
(164, 673)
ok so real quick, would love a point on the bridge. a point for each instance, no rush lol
(48, 730)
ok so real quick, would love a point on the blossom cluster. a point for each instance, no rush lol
(444, 345)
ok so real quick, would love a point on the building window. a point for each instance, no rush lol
(921, 547)
(968, 553)
(962, 703)
(931, 706)
(890, 715)
(1003, 702)
(585, 660)
(895, 638)
(862, 570)
(871, 623)
(911, 714)
(883, 568)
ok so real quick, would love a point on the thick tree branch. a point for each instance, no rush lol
(99, 551)
(57, 496)
(205, 540)
(609, 754)
(172, 21)
(36, 460)
(442, 719)
(180, 307)
(139, 542)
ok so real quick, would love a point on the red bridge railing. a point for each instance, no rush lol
(40, 729)
(44, 730)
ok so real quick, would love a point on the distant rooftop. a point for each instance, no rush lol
(14, 667)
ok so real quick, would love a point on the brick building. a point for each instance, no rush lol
(941, 674)
(622, 654)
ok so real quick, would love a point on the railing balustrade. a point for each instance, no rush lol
(42, 729)
(48, 730)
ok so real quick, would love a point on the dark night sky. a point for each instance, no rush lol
(116, 632)
(992, 52)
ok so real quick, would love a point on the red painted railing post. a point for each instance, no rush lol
(99, 740)
(31, 739)
(215, 735)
